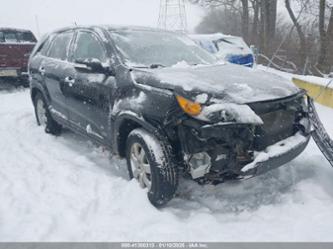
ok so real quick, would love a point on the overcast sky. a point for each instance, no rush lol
(53, 14)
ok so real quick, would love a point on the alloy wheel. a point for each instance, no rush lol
(41, 113)
(140, 166)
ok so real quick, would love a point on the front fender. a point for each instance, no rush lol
(123, 123)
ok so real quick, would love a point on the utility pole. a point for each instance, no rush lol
(173, 15)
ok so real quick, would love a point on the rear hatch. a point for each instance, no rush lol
(15, 48)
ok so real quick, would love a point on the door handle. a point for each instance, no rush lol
(70, 81)
(41, 70)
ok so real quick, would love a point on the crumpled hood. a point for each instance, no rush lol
(227, 82)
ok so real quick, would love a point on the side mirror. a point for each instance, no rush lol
(93, 65)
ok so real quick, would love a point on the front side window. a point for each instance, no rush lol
(60, 46)
(88, 47)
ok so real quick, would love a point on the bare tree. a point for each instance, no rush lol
(255, 4)
(241, 7)
(268, 15)
(281, 43)
(325, 60)
(245, 19)
(263, 12)
(301, 35)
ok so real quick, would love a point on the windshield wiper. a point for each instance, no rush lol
(156, 65)
(152, 66)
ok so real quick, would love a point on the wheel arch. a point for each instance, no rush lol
(123, 125)
(37, 89)
(34, 92)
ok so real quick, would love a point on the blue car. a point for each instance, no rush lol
(227, 47)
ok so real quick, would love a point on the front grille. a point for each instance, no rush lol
(278, 125)
(279, 120)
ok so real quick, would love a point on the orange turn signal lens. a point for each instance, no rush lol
(188, 106)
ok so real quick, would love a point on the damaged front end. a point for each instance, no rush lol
(229, 141)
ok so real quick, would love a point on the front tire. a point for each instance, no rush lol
(44, 117)
(150, 160)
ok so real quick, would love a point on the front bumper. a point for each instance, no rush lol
(238, 156)
(276, 155)
(247, 150)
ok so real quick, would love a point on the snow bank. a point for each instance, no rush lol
(327, 82)
(316, 80)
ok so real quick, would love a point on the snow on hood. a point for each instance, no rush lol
(228, 82)
(231, 112)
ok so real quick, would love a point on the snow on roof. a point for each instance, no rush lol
(112, 28)
(210, 37)
(13, 29)
(133, 27)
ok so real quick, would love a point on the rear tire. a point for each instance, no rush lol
(43, 116)
(162, 175)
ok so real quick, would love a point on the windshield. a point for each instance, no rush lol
(232, 46)
(149, 48)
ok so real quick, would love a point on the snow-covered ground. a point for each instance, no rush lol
(67, 189)
(326, 82)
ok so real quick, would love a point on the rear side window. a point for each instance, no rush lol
(60, 46)
(25, 37)
(89, 47)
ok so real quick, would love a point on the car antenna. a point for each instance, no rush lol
(37, 25)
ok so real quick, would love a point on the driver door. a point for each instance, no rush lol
(89, 92)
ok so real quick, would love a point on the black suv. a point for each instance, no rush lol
(166, 105)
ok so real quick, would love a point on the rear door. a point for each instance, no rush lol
(54, 69)
(89, 93)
